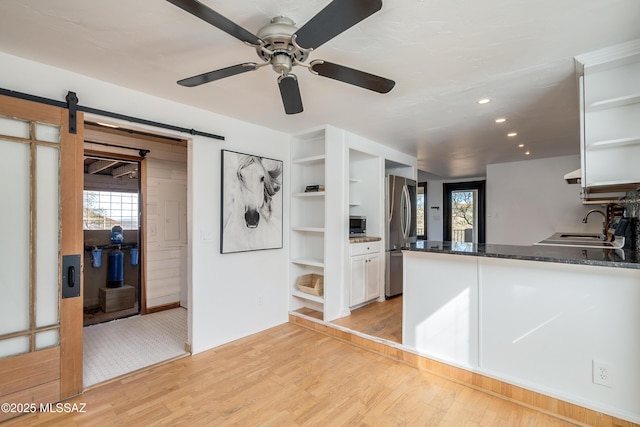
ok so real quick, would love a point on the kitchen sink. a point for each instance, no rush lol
(579, 236)
(581, 240)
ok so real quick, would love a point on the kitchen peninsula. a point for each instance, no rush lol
(561, 321)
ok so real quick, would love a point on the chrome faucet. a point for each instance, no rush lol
(605, 224)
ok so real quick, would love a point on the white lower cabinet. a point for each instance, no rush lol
(365, 272)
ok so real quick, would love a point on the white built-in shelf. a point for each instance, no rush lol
(310, 160)
(308, 262)
(309, 194)
(309, 229)
(614, 102)
(310, 297)
(612, 143)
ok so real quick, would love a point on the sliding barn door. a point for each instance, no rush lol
(41, 250)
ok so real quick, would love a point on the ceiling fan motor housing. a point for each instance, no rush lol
(278, 48)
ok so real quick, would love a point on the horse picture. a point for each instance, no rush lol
(251, 203)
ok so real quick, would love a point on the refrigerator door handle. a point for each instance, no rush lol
(406, 213)
(403, 212)
(409, 207)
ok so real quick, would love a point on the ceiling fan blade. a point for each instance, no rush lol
(336, 17)
(218, 74)
(290, 93)
(209, 15)
(351, 76)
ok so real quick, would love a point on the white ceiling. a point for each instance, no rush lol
(443, 55)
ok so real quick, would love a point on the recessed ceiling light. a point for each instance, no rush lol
(527, 153)
(520, 145)
(501, 120)
(512, 134)
(484, 101)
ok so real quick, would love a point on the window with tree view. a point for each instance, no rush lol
(104, 209)
(421, 201)
(463, 213)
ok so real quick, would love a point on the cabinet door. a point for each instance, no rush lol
(373, 277)
(358, 279)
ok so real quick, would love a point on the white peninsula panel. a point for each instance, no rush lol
(544, 324)
(440, 306)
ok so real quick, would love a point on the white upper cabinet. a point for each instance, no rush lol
(610, 110)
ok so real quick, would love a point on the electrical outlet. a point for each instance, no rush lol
(602, 373)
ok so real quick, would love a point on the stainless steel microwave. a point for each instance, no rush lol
(357, 226)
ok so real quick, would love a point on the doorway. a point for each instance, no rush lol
(142, 188)
(464, 212)
(111, 231)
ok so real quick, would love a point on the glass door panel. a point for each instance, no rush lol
(47, 240)
(15, 243)
(29, 248)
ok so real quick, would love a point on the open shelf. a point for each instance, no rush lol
(309, 194)
(309, 229)
(610, 143)
(309, 262)
(304, 295)
(614, 102)
(311, 159)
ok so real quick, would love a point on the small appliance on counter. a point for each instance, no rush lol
(629, 229)
(357, 226)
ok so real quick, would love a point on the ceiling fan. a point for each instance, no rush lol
(282, 45)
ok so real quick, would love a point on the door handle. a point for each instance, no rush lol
(71, 277)
(71, 281)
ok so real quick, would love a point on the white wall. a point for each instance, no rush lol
(232, 295)
(528, 201)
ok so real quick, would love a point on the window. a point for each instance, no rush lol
(421, 203)
(104, 209)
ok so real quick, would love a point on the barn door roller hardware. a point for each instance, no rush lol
(73, 107)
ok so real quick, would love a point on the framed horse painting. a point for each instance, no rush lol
(251, 203)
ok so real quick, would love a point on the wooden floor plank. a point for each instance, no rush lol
(289, 376)
(378, 319)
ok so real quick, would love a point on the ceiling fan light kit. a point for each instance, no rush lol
(283, 46)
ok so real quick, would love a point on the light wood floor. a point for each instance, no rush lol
(378, 319)
(290, 376)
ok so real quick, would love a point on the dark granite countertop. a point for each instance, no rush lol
(567, 255)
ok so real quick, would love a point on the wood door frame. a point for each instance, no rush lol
(447, 189)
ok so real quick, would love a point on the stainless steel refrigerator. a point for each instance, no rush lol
(400, 228)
